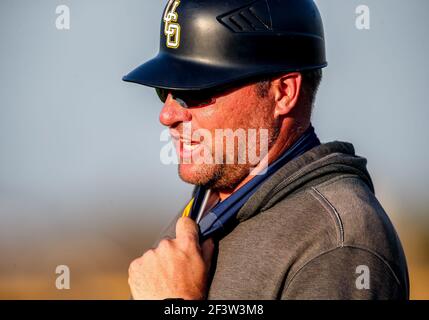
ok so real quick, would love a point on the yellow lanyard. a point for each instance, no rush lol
(187, 210)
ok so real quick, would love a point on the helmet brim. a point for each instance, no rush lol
(171, 72)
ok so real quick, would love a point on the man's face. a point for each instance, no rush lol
(201, 135)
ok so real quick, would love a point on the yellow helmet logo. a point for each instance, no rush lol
(171, 27)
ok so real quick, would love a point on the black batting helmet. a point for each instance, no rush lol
(212, 43)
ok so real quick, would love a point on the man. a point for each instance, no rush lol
(302, 222)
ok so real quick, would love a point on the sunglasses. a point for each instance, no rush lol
(205, 97)
(187, 98)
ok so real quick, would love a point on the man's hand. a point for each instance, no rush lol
(175, 269)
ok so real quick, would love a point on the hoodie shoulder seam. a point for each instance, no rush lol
(333, 211)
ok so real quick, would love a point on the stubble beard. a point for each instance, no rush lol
(224, 176)
(216, 176)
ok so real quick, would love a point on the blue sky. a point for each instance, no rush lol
(74, 137)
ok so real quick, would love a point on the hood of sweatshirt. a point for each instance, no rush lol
(314, 166)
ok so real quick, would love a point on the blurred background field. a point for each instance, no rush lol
(81, 183)
(98, 257)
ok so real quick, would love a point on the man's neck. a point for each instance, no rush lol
(278, 148)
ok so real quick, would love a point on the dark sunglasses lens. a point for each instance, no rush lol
(162, 94)
(194, 99)
(187, 98)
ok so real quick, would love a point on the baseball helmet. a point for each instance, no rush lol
(212, 43)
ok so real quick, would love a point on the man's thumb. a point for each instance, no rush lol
(187, 230)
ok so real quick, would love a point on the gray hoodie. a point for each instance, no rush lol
(313, 230)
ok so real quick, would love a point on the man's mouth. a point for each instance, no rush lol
(189, 145)
(186, 148)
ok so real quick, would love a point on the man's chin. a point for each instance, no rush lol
(215, 176)
(197, 174)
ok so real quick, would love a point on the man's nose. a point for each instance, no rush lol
(173, 113)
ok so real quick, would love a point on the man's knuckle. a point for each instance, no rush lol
(147, 255)
(165, 244)
(134, 265)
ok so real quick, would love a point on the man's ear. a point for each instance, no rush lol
(286, 90)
